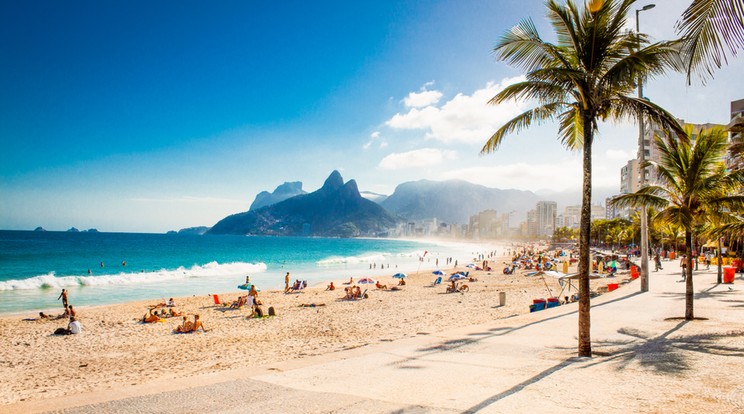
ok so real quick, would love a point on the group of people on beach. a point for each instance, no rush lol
(74, 326)
(155, 315)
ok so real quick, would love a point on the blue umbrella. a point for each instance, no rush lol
(457, 276)
(438, 272)
(400, 275)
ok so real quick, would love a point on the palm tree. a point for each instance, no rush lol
(588, 75)
(710, 28)
(693, 179)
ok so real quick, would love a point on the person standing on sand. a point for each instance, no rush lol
(63, 296)
(286, 283)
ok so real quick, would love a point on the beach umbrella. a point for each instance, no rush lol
(457, 276)
(438, 272)
(400, 275)
(471, 266)
(366, 281)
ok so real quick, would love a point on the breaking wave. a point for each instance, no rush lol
(211, 269)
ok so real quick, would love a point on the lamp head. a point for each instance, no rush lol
(648, 7)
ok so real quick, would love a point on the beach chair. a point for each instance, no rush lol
(437, 281)
(216, 299)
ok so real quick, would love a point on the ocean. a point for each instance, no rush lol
(105, 268)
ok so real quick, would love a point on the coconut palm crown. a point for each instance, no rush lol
(694, 187)
(586, 76)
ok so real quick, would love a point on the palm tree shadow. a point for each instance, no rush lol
(664, 353)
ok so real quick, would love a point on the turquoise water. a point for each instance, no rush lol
(102, 268)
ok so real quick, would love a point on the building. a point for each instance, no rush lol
(572, 216)
(545, 217)
(598, 212)
(736, 126)
(630, 177)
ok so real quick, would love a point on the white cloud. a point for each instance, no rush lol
(464, 118)
(566, 174)
(424, 157)
(375, 136)
(421, 99)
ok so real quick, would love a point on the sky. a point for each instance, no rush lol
(151, 116)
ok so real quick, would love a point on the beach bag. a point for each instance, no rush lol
(61, 331)
(272, 311)
(259, 312)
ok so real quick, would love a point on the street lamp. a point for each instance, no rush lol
(642, 161)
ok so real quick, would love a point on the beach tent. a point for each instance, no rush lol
(366, 281)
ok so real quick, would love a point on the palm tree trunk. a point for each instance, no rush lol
(689, 293)
(585, 342)
(720, 262)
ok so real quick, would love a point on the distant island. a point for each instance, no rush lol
(198, 231)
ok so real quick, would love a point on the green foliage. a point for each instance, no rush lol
(710, 30)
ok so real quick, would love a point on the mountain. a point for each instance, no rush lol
(454, 201)
(281, 193)
(377, 198)
(335, 210)
(73, 230)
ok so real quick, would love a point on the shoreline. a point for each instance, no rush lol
(115, 349)
(122, 285)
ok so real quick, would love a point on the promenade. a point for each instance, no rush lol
(647, 359)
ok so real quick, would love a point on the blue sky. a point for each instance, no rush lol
(150, 116)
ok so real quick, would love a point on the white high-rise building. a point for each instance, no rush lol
(545, 217)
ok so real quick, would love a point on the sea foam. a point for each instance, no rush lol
(50, 280)
(366, 258)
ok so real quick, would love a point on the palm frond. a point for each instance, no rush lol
(522, 47)
(651, 196)
(571, 130)
(628, 107)
(543, 92)
(521, 121)
(711, 29)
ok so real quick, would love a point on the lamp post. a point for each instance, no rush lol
(642, 161)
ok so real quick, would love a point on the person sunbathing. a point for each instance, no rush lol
(331, 287)
(402, 282)
(357, 292)
(185, 327)
(311, 305)
(350, 282)
(173, 313)
(198, 324)
(150, 317)
(237, 304)
(379, 285)
(349, 292)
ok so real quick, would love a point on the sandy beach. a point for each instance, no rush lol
(116, 349)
